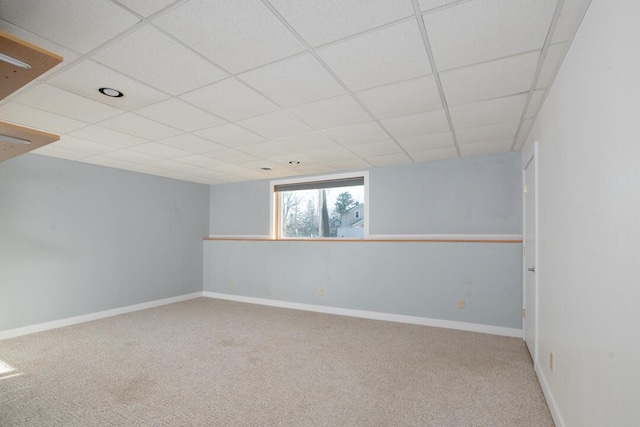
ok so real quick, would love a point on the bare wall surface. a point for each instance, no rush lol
(77, 239)
(417, 279)
(589, 223)
(478, 195)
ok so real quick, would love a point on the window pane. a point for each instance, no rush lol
(322, 212)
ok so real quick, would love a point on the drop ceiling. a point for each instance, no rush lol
(217, 90)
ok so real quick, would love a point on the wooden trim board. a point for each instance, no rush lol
(14, 77)
(33, 139)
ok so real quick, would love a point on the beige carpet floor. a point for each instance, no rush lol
(208, 362)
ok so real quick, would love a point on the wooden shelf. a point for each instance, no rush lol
(13, 77)
(35, 139)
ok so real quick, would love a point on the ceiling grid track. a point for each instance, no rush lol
(434, 69)
(334, 75)
(536, 75)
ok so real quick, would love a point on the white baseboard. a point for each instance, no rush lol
(40, 327)
(414, 320)
(551, 402)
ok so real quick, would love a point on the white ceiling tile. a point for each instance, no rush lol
(230, 100)
(350, 164)
(294, 81)
(54, 100)
(552, 62)
(278, 124)
(283, 161)
(230, 155)
(357, 134)
(490, 133)
(109, 162)
(426, 5)
(107, 136)
(184, 175)
(131, 157)
(534, 104)
(570, 18)
(399, 99)
(417, 124)
(38, 119)
(525, 130)
(158, 60)
(434, 154)
(487, 112)
(485, 148)
(426, 142)
(173, 165)
(390, 160)
(316, 168)
(68, 55)
(87, 77)
(80, 26)
(262, 163)
(329, 155)
(320, 22)
(333, 112)
(240, 171)
(180, 115)
(237, 35)
(160, 150)
(146, 8)
(200, 161)
(379, 148)
(490, 80)
(230, 135)
(307, 142)
(265, 150)
(139, 126)
(484, 30)
(61, 153)
(191, 143)
(385, 56)
(81, 145)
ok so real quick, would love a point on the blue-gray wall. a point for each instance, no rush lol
(409, 278)
(78, 238)
(479, 195)
(476, 195)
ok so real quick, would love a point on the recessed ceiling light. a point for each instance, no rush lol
(113, 93)
(294, 162)
(266, 168)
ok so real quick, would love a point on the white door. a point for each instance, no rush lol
(530, 257)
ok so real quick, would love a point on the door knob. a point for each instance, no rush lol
(532, 269)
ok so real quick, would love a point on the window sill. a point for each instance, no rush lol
(408, 239)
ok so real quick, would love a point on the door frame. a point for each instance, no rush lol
(530, 156)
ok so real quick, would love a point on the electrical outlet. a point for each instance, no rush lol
(320, 292)
(551, 361)
(233, 282)
(461, 303)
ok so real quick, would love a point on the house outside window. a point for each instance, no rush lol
(320, 207)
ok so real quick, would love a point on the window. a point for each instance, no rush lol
(321, 207)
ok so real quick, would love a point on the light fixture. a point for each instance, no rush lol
(266, 168)
(113, 93)
(12, 140)
(294, 162)
(13, 61)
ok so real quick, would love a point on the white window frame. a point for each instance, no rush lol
(345, 175)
